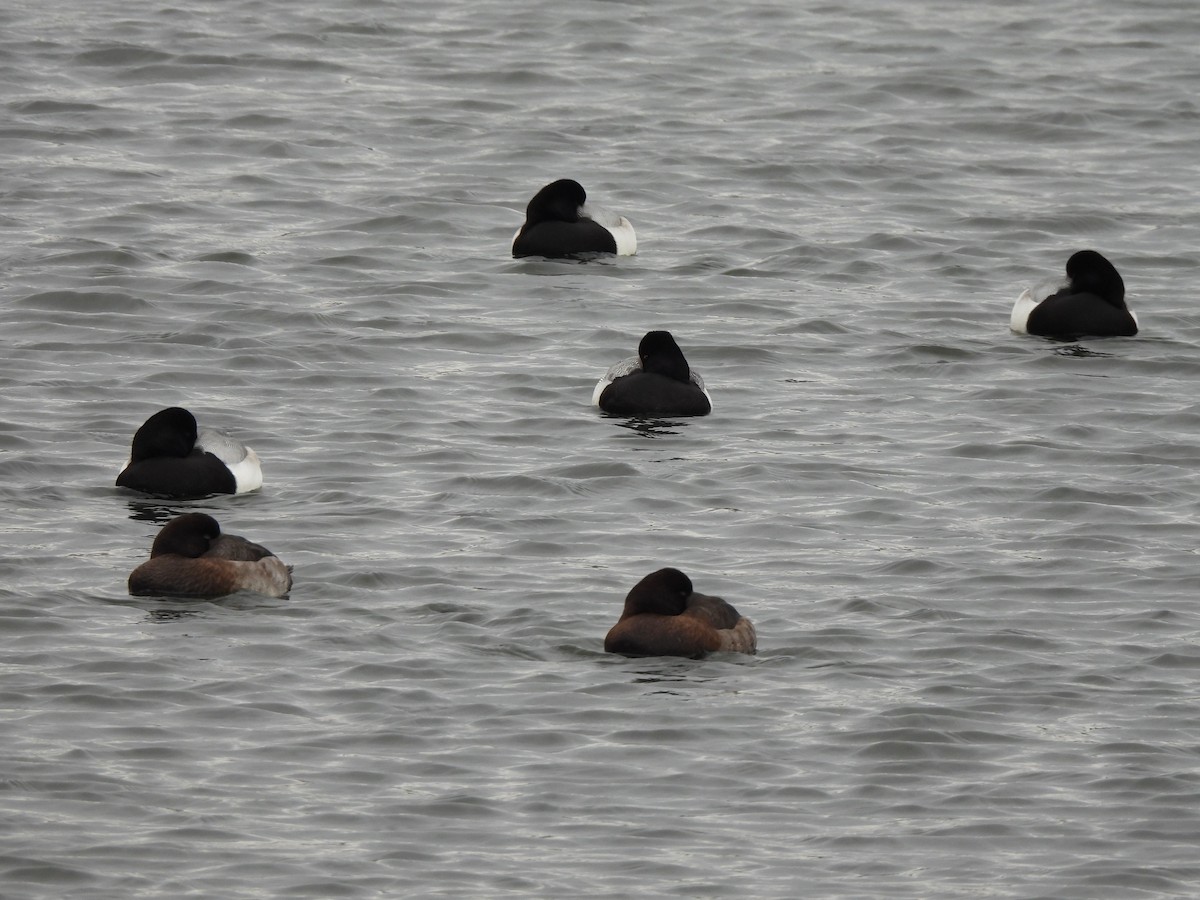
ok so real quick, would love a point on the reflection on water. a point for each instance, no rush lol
(156, 512)
(165, 615)
(1080, 351)
(159, 510)
(653, 428)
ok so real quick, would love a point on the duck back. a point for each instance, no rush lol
(654, 395)
(1074, 315)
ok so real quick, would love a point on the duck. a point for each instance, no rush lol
(664, 616)
(1090, 304)
(190, 557)
(559, 225)
(171, 457)
(657, 382)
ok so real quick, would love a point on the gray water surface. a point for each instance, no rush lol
(971, 556)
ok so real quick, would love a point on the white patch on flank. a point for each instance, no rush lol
(240, 459)
(1031, 297)
(627, 366)
(619, 226)
(1019, 321)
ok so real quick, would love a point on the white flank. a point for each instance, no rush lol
(625, 237)
(627, 366)
(1025, 305)
(240, 459)
(618, 226)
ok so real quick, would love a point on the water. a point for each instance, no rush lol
(970, 556)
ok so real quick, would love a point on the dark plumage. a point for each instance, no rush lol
(559, 225)
(171, 457)
(660, 384)
(1092, 304)
(663, 616)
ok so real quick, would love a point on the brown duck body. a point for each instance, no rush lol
(663, 616)
(191, 558)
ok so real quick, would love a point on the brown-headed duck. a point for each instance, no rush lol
(663, 616)
(192, 558)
